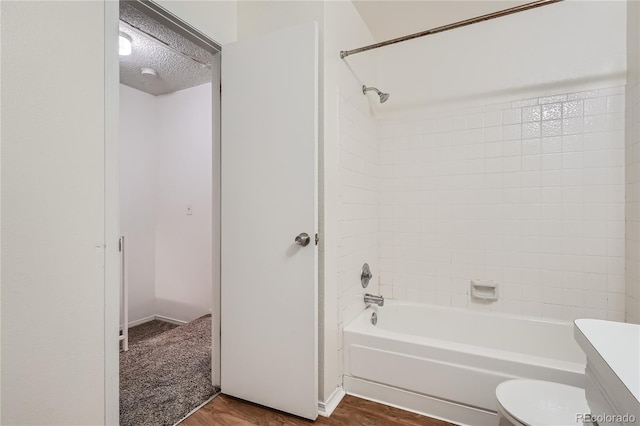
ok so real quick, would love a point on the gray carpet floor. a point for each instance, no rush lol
(148, 330)
(166, 372)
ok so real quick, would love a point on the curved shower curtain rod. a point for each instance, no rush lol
(498, 14)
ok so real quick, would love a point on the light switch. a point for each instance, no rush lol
(189, 209)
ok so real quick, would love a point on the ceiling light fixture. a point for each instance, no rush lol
(125, 44)
(148, 72)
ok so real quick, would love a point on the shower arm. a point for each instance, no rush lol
(366, 89)
(482, 18)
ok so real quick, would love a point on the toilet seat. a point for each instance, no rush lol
(502, 413)
(540, 403)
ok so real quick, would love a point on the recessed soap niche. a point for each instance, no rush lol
(484, 290)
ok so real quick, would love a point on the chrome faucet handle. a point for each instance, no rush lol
(365, 275)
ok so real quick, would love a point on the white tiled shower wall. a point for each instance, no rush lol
(528, 193)
(359, 210)
(632, 251)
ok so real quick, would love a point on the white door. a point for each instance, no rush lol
(269, 304)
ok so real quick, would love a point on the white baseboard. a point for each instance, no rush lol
(325, 409)
(154, 317)
(141, 321)
(171, 320)
(418, 403)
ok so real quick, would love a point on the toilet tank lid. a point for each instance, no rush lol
(538, 403)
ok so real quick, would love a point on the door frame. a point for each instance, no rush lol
(112, 193)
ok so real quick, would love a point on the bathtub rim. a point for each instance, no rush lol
(483, 313)
(361, 326)
(360, 332)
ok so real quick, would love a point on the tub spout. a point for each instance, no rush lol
(372, 299)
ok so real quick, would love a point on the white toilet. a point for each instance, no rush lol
(539, 403)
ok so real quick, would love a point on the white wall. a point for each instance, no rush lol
(340, 27)
(348, 116)
(528, 193)
(183, 269)
(49, 261)
(559, 48)
(0, 223)
(260, 17)
(52, 229)
(165, 165)
(139, 117)
(502, 158)
(632, 154)
(217, 19)
(633, 41)
(633, 204)
(52, 206)
(359, 206)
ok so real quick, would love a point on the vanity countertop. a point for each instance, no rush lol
(615, 345)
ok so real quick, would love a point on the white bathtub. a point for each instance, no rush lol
(447, 362)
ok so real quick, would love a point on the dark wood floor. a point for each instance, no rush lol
(227, 410)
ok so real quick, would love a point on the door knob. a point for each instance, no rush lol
(303, 239)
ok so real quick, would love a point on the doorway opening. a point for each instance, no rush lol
(169, 215)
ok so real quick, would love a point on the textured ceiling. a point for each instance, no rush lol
(389, 19)
(178, 62)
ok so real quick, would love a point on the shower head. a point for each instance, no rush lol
(383, 96)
